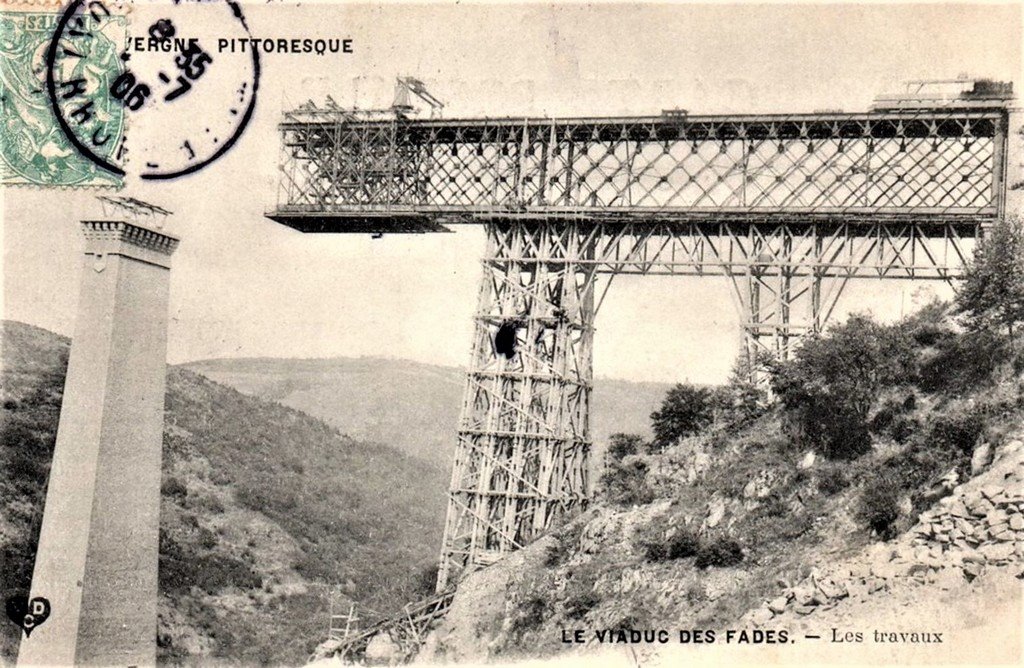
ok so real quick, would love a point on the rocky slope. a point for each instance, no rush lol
(978, 528)
(742, 527)
(956, 572)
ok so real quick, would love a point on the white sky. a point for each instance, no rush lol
(245, 286)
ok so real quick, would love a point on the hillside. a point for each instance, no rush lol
(408, 405)
(262, 507)
(881, 487)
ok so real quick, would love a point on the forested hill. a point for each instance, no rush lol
(410, 405)
(262, 506)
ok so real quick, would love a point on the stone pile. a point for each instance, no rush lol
(981, 525)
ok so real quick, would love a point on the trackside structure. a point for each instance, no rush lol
(789, 207)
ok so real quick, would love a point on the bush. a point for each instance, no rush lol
(626, 484)
(622, 445)
(719, 551)
(426, 580)
(266, 497)
(565, 543)
(828, 389)
(531, 597)
(961, 363)
(685, 410)
(891, 419)
(957, 431)
(173, 488)
(832, 480)
(879, 505)
(992, 294)
(678, 544)
(180, 569)
(743, 399)
(580, 596)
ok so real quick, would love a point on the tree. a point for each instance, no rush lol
(992, 293)
(685, 410)
(829, 387)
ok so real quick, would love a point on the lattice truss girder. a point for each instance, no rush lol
(524, 438)
(880, 247)
(931, 160)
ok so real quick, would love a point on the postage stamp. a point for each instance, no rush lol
(101, 89)
(34, 150)
(184, 104)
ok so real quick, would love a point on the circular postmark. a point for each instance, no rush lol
(184, 104)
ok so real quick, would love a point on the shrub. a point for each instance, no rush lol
(532, 605)
(622, 445)
(961, 363)
(829, 387)
(626, 484)
(832, 480)
(930, 325)
(426, 580)
(891, 419)
(879, 504)
(743, 398)
(207, 502)
(685, 410)
(174, 488)
(264, 497)
(696, 593)
(180, 569)
(207, 539)
(580, 596)
(720, 551)
(956, 431)
(678, 544)
(565, 543)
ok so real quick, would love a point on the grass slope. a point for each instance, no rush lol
(261, 507)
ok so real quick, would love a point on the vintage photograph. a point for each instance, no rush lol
(464, 333)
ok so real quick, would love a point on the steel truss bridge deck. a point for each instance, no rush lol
(788, 207)
(399, 174)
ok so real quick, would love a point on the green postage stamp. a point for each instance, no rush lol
(33, 148)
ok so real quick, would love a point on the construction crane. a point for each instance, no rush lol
(406, 86)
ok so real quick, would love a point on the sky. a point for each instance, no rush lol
(242, 285)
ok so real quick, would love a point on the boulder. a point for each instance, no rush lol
(858, 590)
(831, 590)
(973, 557)
(716, 511)
(958, 509)
(981, 458)
(759, 486)
(972, 570)
(997, 552)
(807, 461)
(778, 605)
(382, 649)
(804, 594)
(761, 616)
